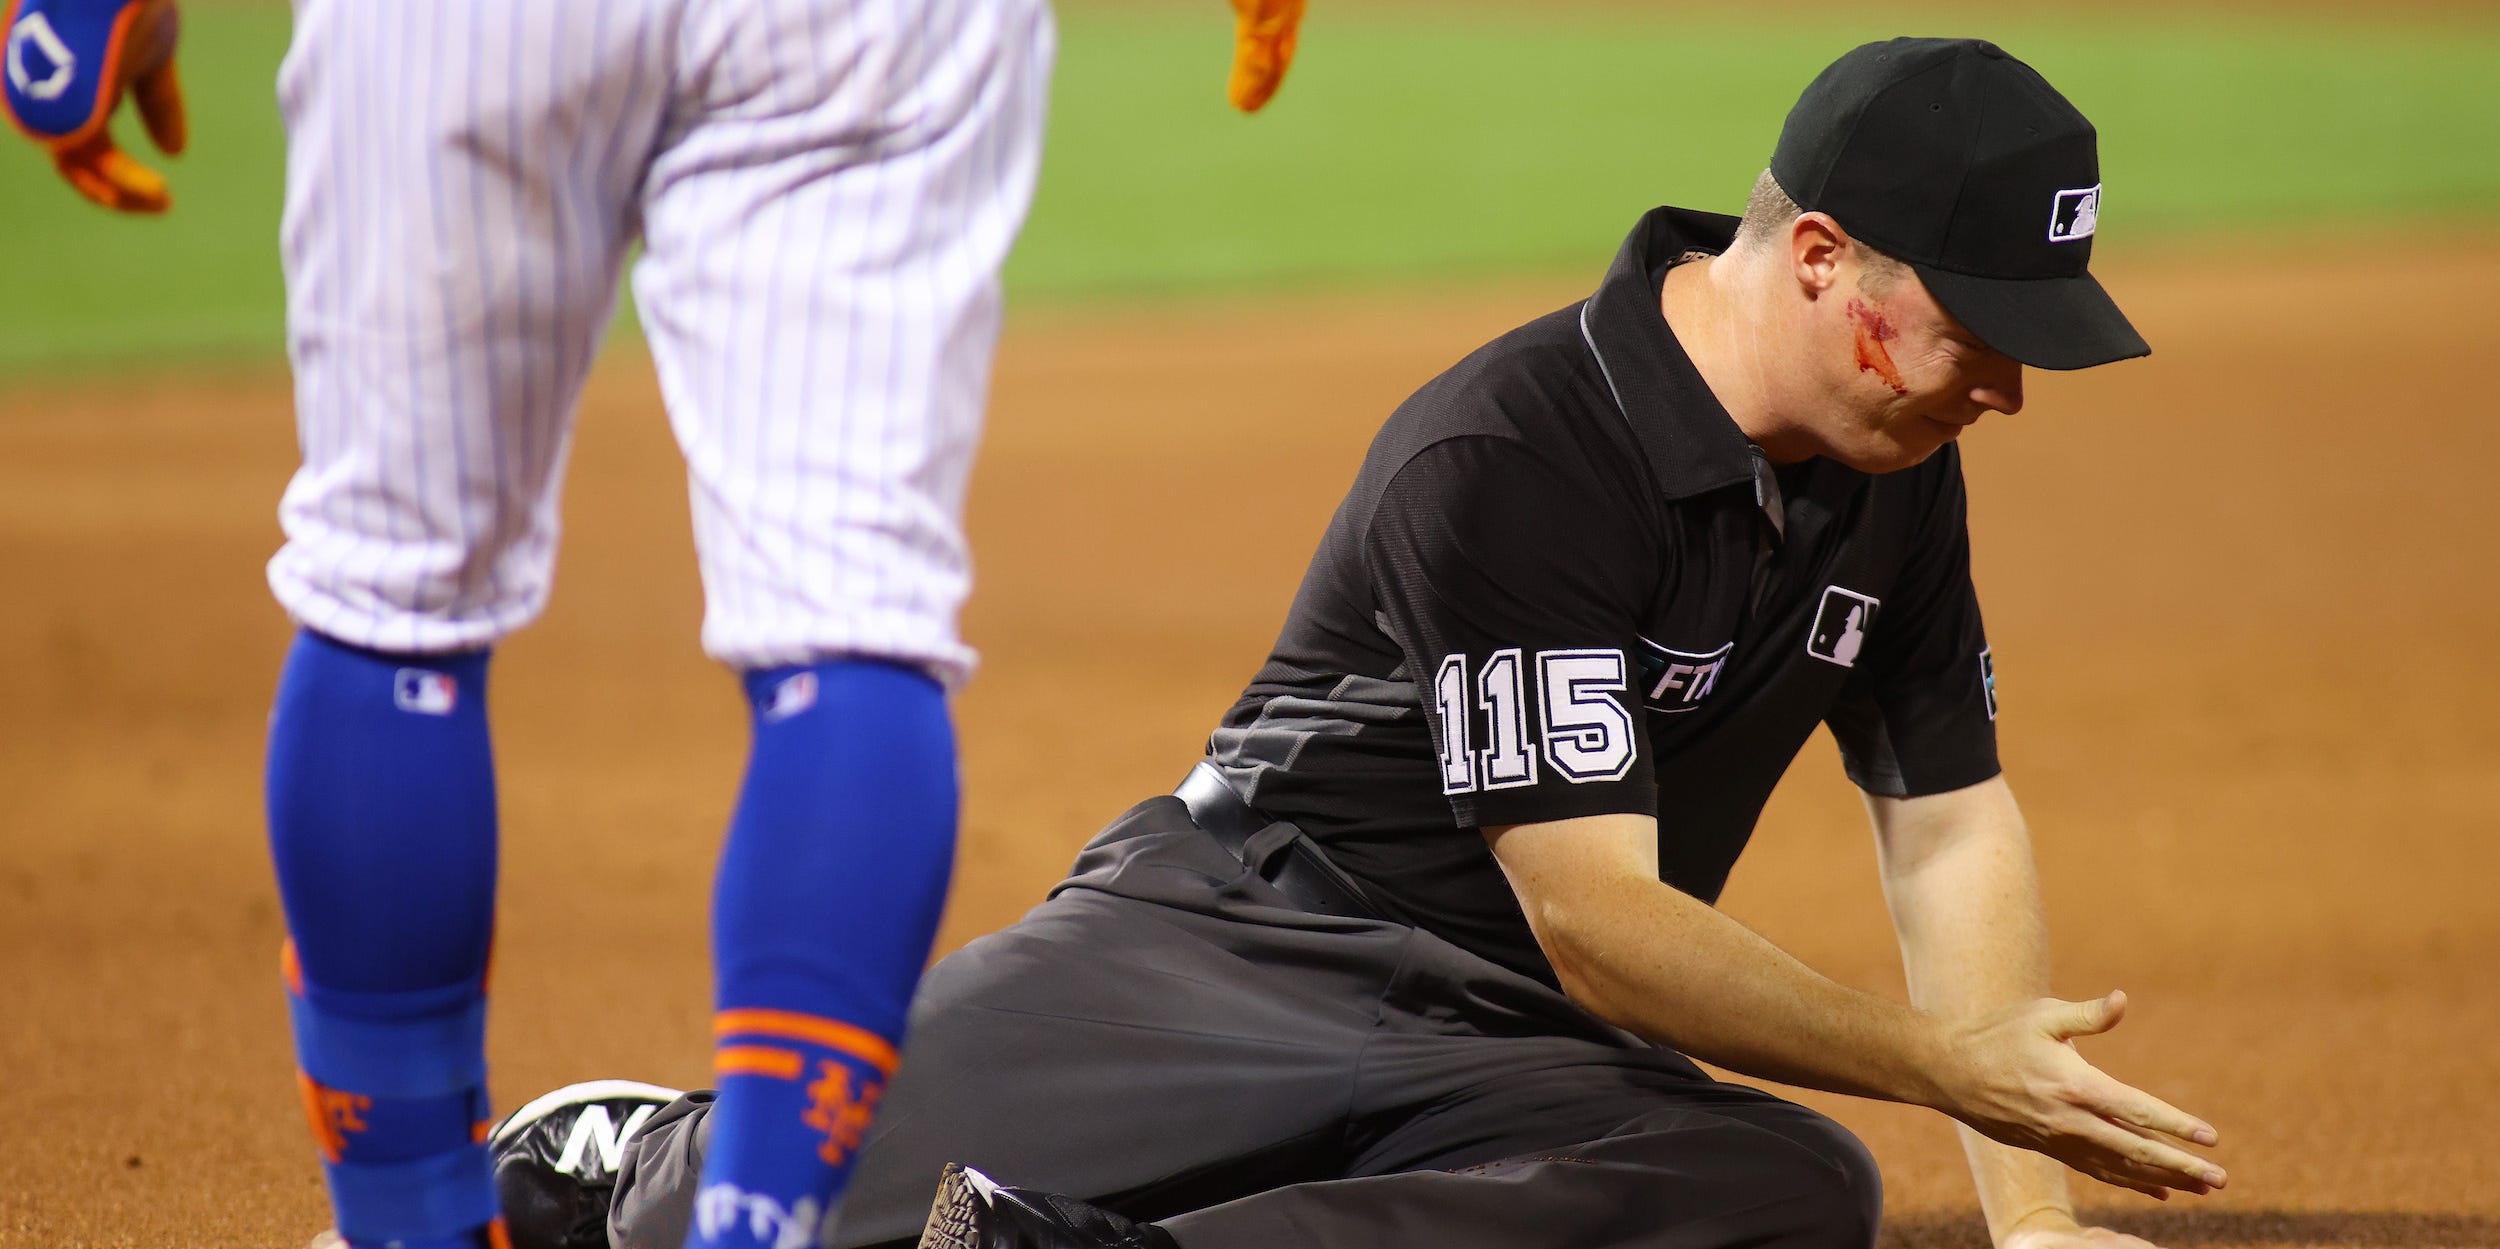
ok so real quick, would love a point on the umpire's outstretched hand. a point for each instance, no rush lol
(68, 62)
(2016, 1078)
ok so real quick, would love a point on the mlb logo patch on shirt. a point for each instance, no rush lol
(425, 692)
(1840, 626)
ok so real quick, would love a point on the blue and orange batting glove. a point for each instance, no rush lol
(1264, 32)
(68, 63)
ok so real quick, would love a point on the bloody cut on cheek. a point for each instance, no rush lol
(1873, 331)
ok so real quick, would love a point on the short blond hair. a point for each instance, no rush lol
(1768, 214)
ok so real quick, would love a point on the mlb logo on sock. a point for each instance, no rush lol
(425, 692)
(792, 696)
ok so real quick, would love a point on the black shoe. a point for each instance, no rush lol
(556, 1160)
(973, 1211)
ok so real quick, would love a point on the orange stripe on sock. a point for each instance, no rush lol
(497, 1237)
(757, 1060)
(857, 1042)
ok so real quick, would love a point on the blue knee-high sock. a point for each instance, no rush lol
(826, 905)
(381, 793)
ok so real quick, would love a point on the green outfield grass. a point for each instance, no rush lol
(1407, 149)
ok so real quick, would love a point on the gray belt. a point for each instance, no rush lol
(1277, 851)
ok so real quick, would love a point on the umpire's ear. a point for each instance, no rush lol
(1818, 250)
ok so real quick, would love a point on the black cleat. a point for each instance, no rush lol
(973, 1211)
(556, 1160)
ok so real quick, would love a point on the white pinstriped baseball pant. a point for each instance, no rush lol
(825, 190)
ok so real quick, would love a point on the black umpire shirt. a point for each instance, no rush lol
(1565, 584)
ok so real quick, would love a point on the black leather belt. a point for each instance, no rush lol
(1279, 852)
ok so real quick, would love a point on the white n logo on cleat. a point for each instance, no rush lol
(593, 1127)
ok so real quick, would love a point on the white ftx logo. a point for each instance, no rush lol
(37, 34)
(1676, 681)
(2074, 214)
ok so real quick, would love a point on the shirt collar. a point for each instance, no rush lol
(1691, 443)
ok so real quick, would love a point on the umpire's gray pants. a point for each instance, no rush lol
(1168, 1037)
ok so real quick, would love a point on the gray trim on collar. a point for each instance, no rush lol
(1690, 442)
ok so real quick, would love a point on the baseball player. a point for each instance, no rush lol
(1418, 954)
(825, 190)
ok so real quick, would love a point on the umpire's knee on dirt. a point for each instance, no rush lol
(1812, 1182)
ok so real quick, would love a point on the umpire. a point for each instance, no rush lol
(1416, 956)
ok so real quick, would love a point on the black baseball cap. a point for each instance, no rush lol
(1965, 163)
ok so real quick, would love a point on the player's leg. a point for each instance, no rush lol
(820, 288)
(1151, 1052)
(460, 175)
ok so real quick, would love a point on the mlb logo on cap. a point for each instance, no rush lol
(425, 692)
(2074, 215)
(1937, 153)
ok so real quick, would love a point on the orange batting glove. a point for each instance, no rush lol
(68, 63)
(1263, 42)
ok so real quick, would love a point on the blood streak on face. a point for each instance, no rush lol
(1873, 331)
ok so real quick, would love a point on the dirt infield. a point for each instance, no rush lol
(2244, 599)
